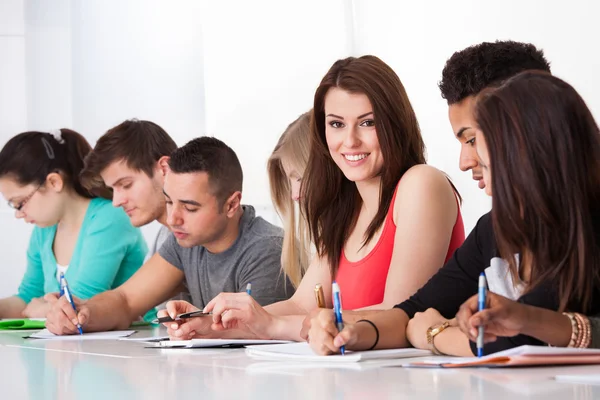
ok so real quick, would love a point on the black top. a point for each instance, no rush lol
(457, 281)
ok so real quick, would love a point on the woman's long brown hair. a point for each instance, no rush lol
(332, 201)
(544, 149)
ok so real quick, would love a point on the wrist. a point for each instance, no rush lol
(276, 329)
(529, 321)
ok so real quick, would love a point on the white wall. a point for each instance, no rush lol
(416, 38)
(241, 71)
(13, 118)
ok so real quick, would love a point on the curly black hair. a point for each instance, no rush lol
(470, 70)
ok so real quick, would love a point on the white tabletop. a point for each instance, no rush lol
(41, 369)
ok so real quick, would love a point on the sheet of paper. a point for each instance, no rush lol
(199, 343)
(590, 379)
(46, 334)
(303, 352)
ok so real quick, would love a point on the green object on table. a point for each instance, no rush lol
(22, 324)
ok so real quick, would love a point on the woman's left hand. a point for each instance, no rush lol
(416, 330)
(37, 308)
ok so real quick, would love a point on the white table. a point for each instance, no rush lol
(107, 370)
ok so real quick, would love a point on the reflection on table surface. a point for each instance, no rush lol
(116, 369)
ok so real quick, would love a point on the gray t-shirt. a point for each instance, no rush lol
(255, 257)
(161, 237)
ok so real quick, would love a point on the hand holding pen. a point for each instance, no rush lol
(64, 286)
(501, 317)
(337, 310)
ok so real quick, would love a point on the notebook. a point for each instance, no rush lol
(518, 357)
(23, 324)
(46, 334)
(205, 343)
(303, 352)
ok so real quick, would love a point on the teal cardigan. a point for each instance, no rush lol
(109, 250)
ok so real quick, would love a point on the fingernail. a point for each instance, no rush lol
(473, 332)
(174, 326)
(74, 321)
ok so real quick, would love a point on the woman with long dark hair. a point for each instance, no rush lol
(539, 147)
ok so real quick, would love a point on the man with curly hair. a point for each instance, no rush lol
(473, 69)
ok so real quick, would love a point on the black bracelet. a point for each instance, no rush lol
(376, 332)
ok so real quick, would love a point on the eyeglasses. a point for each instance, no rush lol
(20, 205)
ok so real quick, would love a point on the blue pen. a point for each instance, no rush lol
(70, 300)
(481, 303)
(249, 289)
(337, 310)
(61, 283)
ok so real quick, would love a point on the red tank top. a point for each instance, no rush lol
(362, 283)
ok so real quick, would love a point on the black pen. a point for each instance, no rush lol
(193, 314)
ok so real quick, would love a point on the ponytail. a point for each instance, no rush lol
(30, 156)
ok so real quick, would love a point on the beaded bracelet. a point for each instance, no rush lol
(574, 330)
(581, 334)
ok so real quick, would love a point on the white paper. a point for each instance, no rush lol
(199, 343)
(303, 352)
(595, 379)
(46, 334)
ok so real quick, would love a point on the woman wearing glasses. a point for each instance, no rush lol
(77, 232)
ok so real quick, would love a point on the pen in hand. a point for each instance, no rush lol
(249, 289)
(67, 292)
(337, 310)
(481, 306)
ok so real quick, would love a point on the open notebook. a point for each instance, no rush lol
(204, 343)
(303, 352)
(518, 357)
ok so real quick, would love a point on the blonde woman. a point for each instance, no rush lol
(286, 167)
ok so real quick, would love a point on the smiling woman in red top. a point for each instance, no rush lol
(382, 221)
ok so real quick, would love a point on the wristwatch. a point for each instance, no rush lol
(431, 334)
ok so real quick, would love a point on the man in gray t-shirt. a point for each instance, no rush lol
(255, 257)
(216, 245)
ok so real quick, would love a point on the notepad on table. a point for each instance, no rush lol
(303, 352)
(205, 343)
(518, 357)
(23, 324)
(46, 334)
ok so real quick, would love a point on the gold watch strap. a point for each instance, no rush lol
(432, 332)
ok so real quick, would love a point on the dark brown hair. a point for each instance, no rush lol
(30, 156)
(332, 201)
(139, 143)
(544, 149)
(219, 161)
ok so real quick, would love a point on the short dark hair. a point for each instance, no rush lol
(210, 155)
(139, 143)
(30, 156)
(473, 69)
